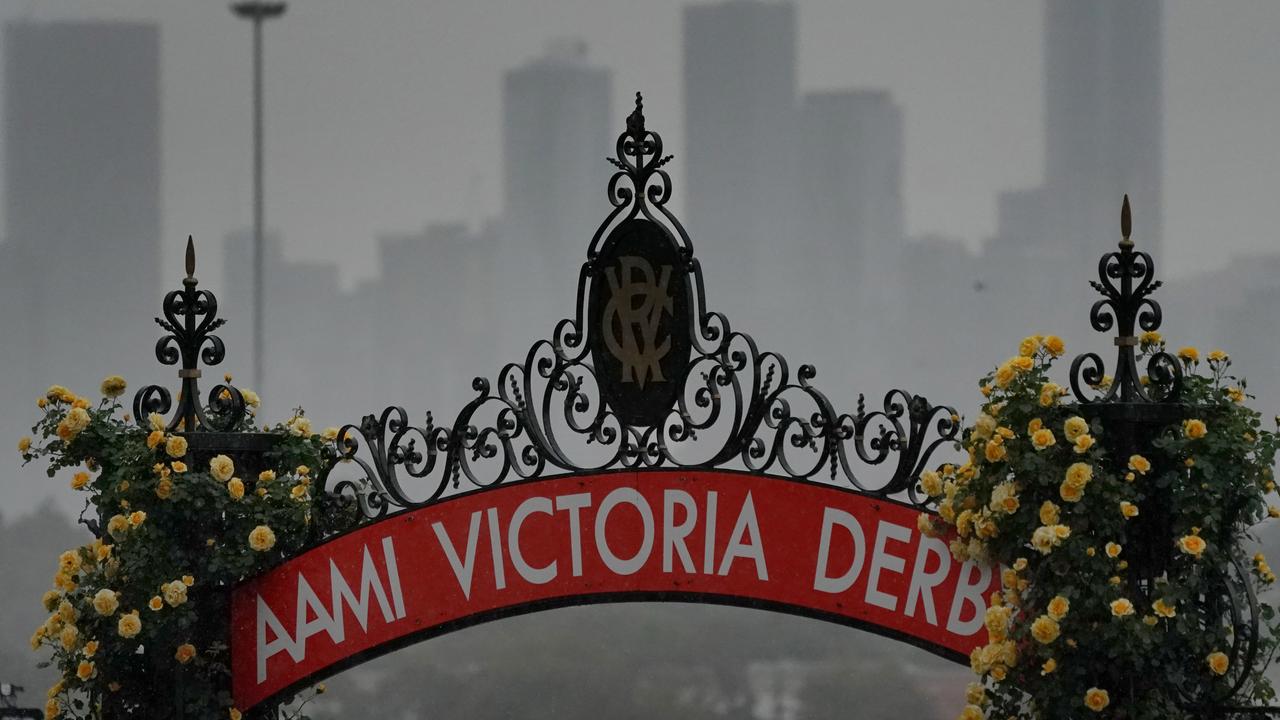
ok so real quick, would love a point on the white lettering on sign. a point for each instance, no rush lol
(389, 595)
(969, 592)
(574, 503)
(882, 560)
(923, 582)
(673, 535)
(822, 580)
(612, 500)
(537, 576)
(751, 549)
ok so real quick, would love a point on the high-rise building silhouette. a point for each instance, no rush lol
(851, 152)
(556, 135)
(1104, 130)
(1103, 139)
(740, 108)
(1104, 133)
(82, 195)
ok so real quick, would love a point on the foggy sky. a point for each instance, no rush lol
(385, 116)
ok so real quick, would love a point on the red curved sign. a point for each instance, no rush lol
(702, 536)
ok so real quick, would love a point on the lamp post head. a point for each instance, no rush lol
(257, 10)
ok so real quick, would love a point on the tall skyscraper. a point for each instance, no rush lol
(851, 152)
(1104, 130)
(1104, 135)
(556, 134)
(740, 107)
(82, 195)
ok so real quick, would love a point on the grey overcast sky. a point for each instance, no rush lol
(383, 116)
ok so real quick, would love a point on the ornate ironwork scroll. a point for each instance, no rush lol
(643, 376)
(190, 318)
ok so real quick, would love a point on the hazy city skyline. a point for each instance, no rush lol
(358, 99)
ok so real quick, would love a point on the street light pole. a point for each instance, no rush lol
(257, 11)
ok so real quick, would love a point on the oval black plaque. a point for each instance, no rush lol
(640, 324)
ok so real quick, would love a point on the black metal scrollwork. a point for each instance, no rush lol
(736, 406)
(1126, 308)
(190, 318)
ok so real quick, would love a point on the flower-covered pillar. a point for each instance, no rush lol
(1119, 520)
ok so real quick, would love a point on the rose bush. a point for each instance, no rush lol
(137, 616)
(1074, 632)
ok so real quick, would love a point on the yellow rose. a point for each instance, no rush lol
(971, 712)
(1217, 356)
(1061, 532)
(1045, 630)
(155, 438)
(1096, 699)
(1189, 354)
(156, 603)
(1194, 429)
(1236, 394)
(299, 426)
(85, 670)
(1049, 393)
(262, 538)
(250, 398)
(185, 652)
(1217, 662)
(303, 470)
(1192, 545)
(136, 518)
(222, 468)
(1113, 550)
(188, 580)
(1022, 364)
(156, 421)
(1083, 443)
(1058, 607)
(1128, 509)
(1164, 609)
(997, 622)
(1048, 513)
(1074, 427)
(69, 562)
(24, 444)
(233, 713)
(931, 482)
(1054, 345)
(994, 451)
(112, 386)
(72, 425)
(164, 489)
(1121, 607)
(175, 593)
(90, 648)
(330, 434)
(1004, 375)
(924, 523)
(1151, 337)
(69, 637)
(105, 602)
(79, 480)
(1028, 347)
(176, 446)
(1042, 438)
(67, 612)
(52, 709)
(235, 488)
(298, 492)
(984, 426)
(129, 625)
(178, 466)
(1139, 463)
(266, 476)
(1070, 493)
(1049, 666)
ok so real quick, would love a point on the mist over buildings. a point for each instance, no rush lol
(795, 197)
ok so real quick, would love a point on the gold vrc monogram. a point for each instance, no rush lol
(637, 300)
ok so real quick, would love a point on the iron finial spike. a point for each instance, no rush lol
(191, 257)
(1126, 223)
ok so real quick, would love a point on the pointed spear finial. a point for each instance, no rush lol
(1126, 223)
(635, 121)
(191, 257)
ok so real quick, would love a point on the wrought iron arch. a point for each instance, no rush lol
(727, 404)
